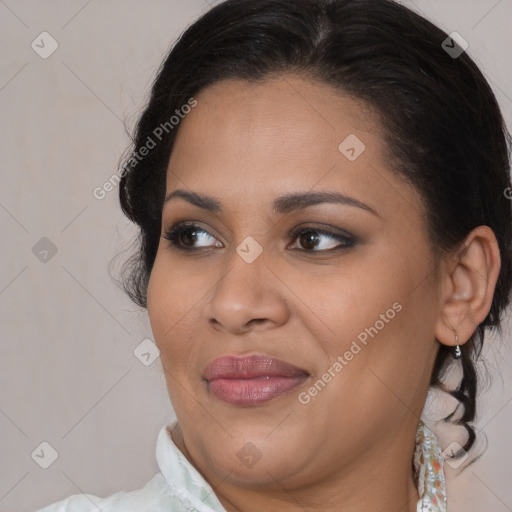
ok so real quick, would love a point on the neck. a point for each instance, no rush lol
(381, 479)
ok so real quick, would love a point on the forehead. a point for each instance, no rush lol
(289, 107)
(250, 142)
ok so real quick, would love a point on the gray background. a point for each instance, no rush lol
(69, 375)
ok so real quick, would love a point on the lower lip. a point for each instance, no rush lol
(253, 391)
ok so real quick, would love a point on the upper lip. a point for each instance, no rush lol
(247, 367)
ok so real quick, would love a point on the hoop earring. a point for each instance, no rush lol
(458, 352)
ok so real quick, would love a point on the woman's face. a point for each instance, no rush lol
(305, 250)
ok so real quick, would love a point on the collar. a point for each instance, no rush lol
(428, 471)
(185, 482)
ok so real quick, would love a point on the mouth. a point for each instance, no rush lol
(252, 380)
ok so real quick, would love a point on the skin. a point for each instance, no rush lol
(351, 446)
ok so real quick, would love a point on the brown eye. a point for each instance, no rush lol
(188, 236)
(317, 240)
(308, 239)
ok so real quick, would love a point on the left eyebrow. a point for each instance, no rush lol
(284, 204)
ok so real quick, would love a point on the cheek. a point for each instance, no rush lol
(341, 303)
(172, 301)
(371, 305)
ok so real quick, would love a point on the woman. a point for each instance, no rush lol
(320, 187)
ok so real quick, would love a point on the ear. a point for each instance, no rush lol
(468, 281)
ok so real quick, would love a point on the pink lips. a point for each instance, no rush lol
(253, 379)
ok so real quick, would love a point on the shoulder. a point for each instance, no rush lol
(153, 496)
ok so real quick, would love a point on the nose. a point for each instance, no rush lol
(248, 296)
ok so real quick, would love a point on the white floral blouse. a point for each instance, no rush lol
(429, 473)
(179, 487)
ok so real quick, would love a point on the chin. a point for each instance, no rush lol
(253, 458)
(272, 470)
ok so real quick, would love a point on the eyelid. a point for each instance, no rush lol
(325, 229)
(193, 223)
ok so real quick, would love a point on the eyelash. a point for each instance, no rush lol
(174, 233)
